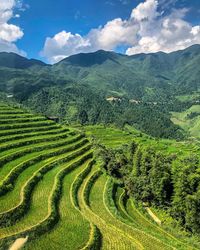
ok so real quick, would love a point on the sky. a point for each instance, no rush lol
(51, 30)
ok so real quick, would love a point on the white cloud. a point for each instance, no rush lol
(113, 34)
(64, 43)
(146, 30)
(146, 10)
(9, 33)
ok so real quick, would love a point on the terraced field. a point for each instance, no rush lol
(53, 194)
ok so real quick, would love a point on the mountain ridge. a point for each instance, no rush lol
(13, 60)
(190, 48)
(144, 87)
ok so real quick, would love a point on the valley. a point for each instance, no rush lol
(96, 158)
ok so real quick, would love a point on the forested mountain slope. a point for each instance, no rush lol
(106, 87)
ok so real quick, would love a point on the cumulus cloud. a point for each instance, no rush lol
(9, 33)
(148, 29)
(114, 33)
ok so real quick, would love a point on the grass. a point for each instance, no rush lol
(112, 238)
(39, 207)
(70, 221)
(190, 125)
(13, 197)
(115, 138)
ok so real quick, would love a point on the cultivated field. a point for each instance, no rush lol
(53, 195)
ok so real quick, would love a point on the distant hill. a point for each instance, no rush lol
(12, 60)
(90, 59)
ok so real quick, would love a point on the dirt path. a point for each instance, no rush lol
(153, 216)
(19, 243)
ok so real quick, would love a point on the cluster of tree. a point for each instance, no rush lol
(154, 178)
(84, 105)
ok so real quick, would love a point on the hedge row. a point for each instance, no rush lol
(53, 217)
(35, 129)
(10, 157)
(23, 136)
(22, 120)
(26, 125)
(7, 184)
(13, 116)
(78, 181)
(33, 141)
(9, 111)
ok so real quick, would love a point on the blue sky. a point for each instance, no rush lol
(50, 30)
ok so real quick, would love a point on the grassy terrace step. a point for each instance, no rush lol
(33, 140)
(26, 125)
(139, 221)
(112, 237)
(9, 217)
(11, 111)
(136, 215)
(44, 210)
(144, 224)
(58, 130)
(98, 207)
(30, 130)
(15, 116)
(112, 217)
(27, 152)
(7, 108)
(15, 153)
(149, 241)
(71, 222)
(11, 171)
(94, 241)
(78, 181)
(22, 120)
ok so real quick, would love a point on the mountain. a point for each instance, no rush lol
(106, 87)
(12, 60)
(132, 75)
(90, 59)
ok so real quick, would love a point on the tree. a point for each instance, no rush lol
(83, 117)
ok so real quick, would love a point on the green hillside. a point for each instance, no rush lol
(189, 118)
(106, 87)
(54, 191)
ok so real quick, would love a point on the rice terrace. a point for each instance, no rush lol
(100, 125)
(54, 193)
